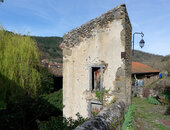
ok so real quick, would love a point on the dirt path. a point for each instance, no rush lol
(149, 116)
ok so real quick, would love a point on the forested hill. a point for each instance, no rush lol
(49, 47)
(152, 60)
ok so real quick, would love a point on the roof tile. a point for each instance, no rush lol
(142, 68)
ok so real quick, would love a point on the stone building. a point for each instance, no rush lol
(144, 73)
(96, 58)
(142, 77)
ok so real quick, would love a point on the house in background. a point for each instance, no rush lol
(44, 61)
(97, 57)
(143, 74)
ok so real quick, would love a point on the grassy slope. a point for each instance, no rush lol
(149, 116)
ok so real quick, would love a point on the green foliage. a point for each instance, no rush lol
(47, 82)
(100, 95)
(166, 63)
(24, 114)
(127, 124)
(167, 96)
(49, 46)
(19, 58)
(55, 99)
(153, 100)
(54, 123)
(61, 123)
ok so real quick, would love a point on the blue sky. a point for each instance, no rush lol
(56, 17)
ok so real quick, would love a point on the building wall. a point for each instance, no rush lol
(148, 78)
(103, 47)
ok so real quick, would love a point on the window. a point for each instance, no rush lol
(94, 108)
(96, 75)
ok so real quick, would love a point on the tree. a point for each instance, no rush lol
(166, 63)
(19, 60)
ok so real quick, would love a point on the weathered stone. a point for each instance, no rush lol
(120, 83)
(109, 99)
(75, 36)
(96, 44)
(107, 119)
(67, 52)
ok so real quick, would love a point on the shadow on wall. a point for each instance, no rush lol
(21, 111)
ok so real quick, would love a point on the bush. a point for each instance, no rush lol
(153, 100)
(167, 96)
(100, 95)
(23, 114)
(55, 99)
(61, 123)
(47, 82)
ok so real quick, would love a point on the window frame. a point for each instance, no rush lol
(101, 77)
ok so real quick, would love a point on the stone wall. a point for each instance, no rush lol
(150, 80)
(140, 91)
(104, 41)
(108, 119)
(123, 75)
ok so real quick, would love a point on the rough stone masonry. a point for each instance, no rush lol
(97, 57)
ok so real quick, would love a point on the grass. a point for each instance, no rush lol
(148, 116)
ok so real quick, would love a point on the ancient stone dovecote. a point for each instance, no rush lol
(97, 57)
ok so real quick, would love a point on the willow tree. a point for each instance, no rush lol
(19, 59)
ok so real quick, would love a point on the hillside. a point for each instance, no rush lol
(166, 63)
(49, 47)
(152, 60)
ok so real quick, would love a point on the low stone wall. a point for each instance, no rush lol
(149, 81)
(109, 118)
(137, 91)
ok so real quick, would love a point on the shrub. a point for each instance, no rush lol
(61, 123)
(167, 96)
(55, 99)
(47, 82)
(153, 100)
(23, 114)
(100, 94)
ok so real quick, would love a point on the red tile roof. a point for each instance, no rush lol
(45, 60)
(141, 68)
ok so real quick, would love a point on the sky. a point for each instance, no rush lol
(56, 17)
